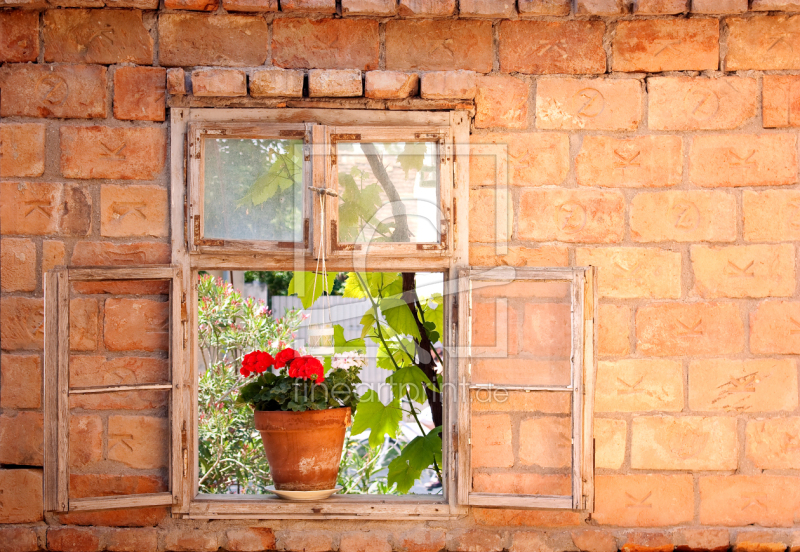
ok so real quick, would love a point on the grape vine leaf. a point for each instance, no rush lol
(412, 157)
(309, 293)
(416, 456)
(380, 419)
(399, 317)
(412, 376)
(343, 345)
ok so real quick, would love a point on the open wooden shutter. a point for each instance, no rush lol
(113, 337)
(526, 381)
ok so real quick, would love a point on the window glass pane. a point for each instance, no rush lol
(521, 332)
(253, 189)
(389, 192)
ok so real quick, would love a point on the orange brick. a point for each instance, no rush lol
(534, 159)
(743, 160)
(775, 328)
(85, 441)
(494, 326)
(762, 385)
(73, 539)
(591, 104)
(630, 272)
(656, 45)
(546, 330)
(219, 82)
(781, 101)
(68, 91)
(309, 6)
(772, 444)
(719, 6)
(17, 264)
(426, 8)
(676, 329)
(369, 7)
(22, 149)
(122, 287)
(527, 518)
(113, 152)
(639, 385)
(21, 438)
(21, 323)
(247, 539)
(132, 540)
(484, 217)
(385, 85)
(684, 443)
(774, 5)
(20, 381)
(88, 371)
(491, 441)
(698, 103)
(560, 47)
(523, 541)
(771, 215)
(599, 7)
(648, 542)
(421, 538)
(233, 40)
(19, 539)
(38, 208)
(610, 438)
(703, 539)
(132, 400)
(532, 8)
(613, 329)
(448, 84)
(339, 83)
(136, 324)
(545, 442)
(738, 500)
(83, 324)
(744, 270)
(439, 45)
(250, 5)
(762, 42)
(126, 41)
(98, 485)
(140, 93)
(684, 216)
(20, 36)
(501, 101)
(88, 253)
(657, 7)
(474, 540)
(571, 216)
(486, 8)
(593, 540)
(521, 483)
(195, 5)
(643, 500)
(318, 541)
(25, 504)
(53, 254)
(501, 400)
(548, 255)
(133, 211)
(138, 441)
(642, 161)
(326, 43)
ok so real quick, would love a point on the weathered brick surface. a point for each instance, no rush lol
(219, 82)
(384, 85)
(365, 541)
(19, 36)
(775, 328)
(176, 81)
(474, 540)
(593, 540)
(639, 385)
(236, 40)
(643, 500)
(719, 6)
(738, 500)
(533, 159)
(571, 216)
(629, 272)
(276, 82)
(96, 36)
(545, 442)
(491, 441)
(21, 323)
(753, 385)
(744, 270)
(533, 8)
(658, 7)
(194, 5)
(334, 83)
(22, 149)
(599, 7)
(426, 8)
(483, 210)
(592, 104)
(527, 518)
(420, 539)
(771, 215)
(772, 443)
(308, 541)
(92, 253)
(698, 103)
(484, 255)
(21, 438)
(439, 45)
(250, 539)
(17, 264)
(309, 6)
(136, 325)
(53, 254)
(131, 540)
(369, 7)
(487, 8)
(520, 483)
(722, 160)
(113, 152)
(325, 43)
(703, 539)
(85, 441)
(775, 5)
(763, 42)
(87, 485)
(73, 539)
(501, 101)
(139, 93)
(138, 441)
(18, 539)
(83, 324)
(448, 84)
(644, 161)
(684, 443)
(561, 47)
(25, 504)
(250, 5)
(69, 91)
(610, 437)
(20, 381)
(133, 211)
(655, 45)
(613, 329)
(684, 216)
(781, 101)
(676, 329)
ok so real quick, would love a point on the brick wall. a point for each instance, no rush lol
(656, 141)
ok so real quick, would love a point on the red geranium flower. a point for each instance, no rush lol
(285, 356)
(307, 367)
(256, 362)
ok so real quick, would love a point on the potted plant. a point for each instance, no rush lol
(302, 411)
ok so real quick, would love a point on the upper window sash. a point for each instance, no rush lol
(247, 187)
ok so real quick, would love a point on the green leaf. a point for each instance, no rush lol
(308, 288)
(367, 322)
(343, 345)
(379, 419)
(412, 376)
(399, 317)
(412, 157)
(385, 284)
(352, 287)
(416, 456)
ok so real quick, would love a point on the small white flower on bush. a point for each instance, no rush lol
(348, 359)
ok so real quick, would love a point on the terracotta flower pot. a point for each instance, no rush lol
(304, 449)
